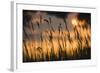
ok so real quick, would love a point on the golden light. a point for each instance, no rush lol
(45, 48)
(82, 22)
(74, 21)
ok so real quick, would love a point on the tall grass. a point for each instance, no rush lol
(57, 44)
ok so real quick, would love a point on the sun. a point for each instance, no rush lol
(74, 21)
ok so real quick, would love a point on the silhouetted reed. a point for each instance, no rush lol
(63, 47)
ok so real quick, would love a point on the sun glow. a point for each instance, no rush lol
(74, 21)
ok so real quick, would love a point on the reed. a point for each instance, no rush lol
(68, 45)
